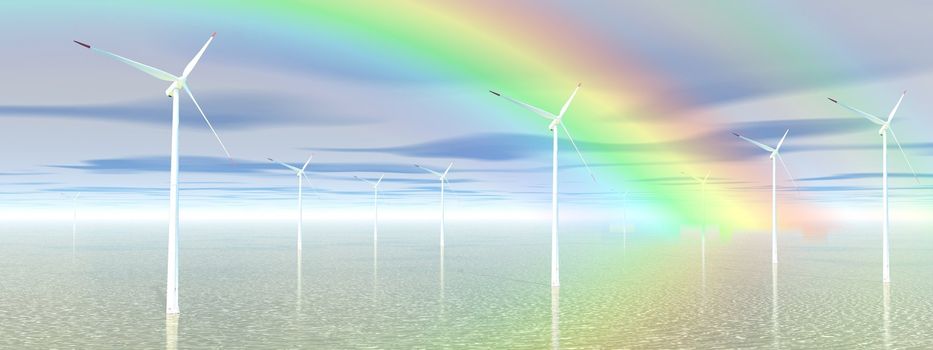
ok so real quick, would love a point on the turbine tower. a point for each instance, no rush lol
(555, 121)
(443, 178)
(775, 155)
(177, 84)
(74, 221)
(300, 173)
(883, 131)
(375, 205)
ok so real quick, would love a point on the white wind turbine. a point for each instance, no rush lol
(375, 205)
(624, 197)
(775, 155)
(702, 183)
(885, 128)
(300, 173)
(443, 178)
(177, 84)
(555, 121)
(625, 212)
(74, 220)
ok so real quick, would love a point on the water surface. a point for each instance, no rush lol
(242, 286)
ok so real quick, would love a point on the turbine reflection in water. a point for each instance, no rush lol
(442, 278)
(886, 303)
(775, 327)
(555, 318)
(298, 287)
(171, 331)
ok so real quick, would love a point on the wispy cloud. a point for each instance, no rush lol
(859, 176)
(227, 111)
(201, 164)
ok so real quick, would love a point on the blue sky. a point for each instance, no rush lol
(73, 121)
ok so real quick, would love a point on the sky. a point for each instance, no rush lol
(373, 88)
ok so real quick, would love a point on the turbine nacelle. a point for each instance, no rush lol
(553, 126)
(174, 87)
(883, 129)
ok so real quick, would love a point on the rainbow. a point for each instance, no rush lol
(538, 56)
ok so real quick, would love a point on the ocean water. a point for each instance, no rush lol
(242, 285)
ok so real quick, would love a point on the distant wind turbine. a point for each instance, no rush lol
(883, 131)
(443, 178)
(555, 121)
(624, 197)
(74, 220)
(177, 84)
(375, 205)
(300, 173)
(702, 183)
(774, 155)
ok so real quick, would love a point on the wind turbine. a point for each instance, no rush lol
(625, 212)
(375, 205)
(443, 178)
(702, 183)
(177, 84)
(624, 196)
(300, 173)
(555, 121)
(775, 155)
(885, 128)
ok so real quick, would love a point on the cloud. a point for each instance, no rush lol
(496, 147)
(858, 176)
(232, 110)
(22, 173)
(514, 146)
(201, 164)
(774, 129)
(196, 164)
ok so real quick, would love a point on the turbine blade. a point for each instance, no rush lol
(870, 117)
(756, 143)
(904, 154)
(567, 104)
(428, 170)
(781, 142)
(190, 94)
(380, 179)
(285, 165)
(194, 61)
(587, 166)
(786, 170)
(891, 115)
(311, 187)
(307, 162)
(698, 180)
(706, 177)
(542, 113)
(448, 169)
(158, 73)
(449, 188)
(364, 180)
